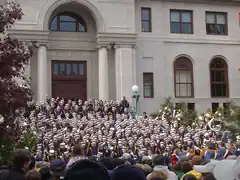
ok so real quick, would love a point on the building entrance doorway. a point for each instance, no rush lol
(69, 79)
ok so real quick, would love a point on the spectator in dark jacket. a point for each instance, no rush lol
(32, 164)
(45, 173)
(4, 174)
(21, 159)
(33, 175)
(57, 168)
(86, 170)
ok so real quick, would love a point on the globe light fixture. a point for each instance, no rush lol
(135, 101)
(135, 89)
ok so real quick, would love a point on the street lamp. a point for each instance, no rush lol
(135, 100)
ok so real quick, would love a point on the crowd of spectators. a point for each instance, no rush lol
(159, 167)
(98, 140)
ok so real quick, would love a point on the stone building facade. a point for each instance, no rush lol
(99, 49)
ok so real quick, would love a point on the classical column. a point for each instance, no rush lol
(42, 72)
(134, 65)
(118, 72)
(125, 67)
(103, 73)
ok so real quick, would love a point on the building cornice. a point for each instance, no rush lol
(72, 49)
(189, 40)
(101, 38)
(216, 2)
(203, 41)
(30, 35)
(116, 38)
(106, 39)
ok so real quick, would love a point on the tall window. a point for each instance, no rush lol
(219, 78)
(146, 19)
(68, 22)
(215, 107)
(216, 23)
(181, 21)
(148, 86)
(183, 70)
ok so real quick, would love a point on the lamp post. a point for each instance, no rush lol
(135, 101)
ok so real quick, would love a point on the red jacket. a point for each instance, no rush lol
(175, 159)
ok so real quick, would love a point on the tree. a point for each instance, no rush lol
(14, 57)
(185, 116)
(232, 121)
(29, 140)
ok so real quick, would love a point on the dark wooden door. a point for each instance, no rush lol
(69, 80)
(69, 90)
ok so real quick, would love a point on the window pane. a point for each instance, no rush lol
(145, 14)
(62, 69)
(221, 29)
(147, 79)
(187, 17)
(177, 90)
(81, 28)
(75, 67)
(147, 91)
(213, 94)
(175, 28)
(145, 26)
(210, 18)
(148, 84)
(213, 76)
(66, 18)
(186, 28)
(189, 77)
(218, 63)
(219, 76)
(55, 69)
(183, 77)
(53, 26)
(68, 26)
(189, 90)
(210, 28)
(175, 16)
(81, 69)
(183, 89)
(68, 69)
(221, 19)
(219, 90)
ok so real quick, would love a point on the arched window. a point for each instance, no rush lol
(183, 77)
(68, 22)
(219, 78)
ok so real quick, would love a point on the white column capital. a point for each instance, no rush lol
(39, 44)
(107, 46)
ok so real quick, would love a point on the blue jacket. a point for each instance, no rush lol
(210, 154)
